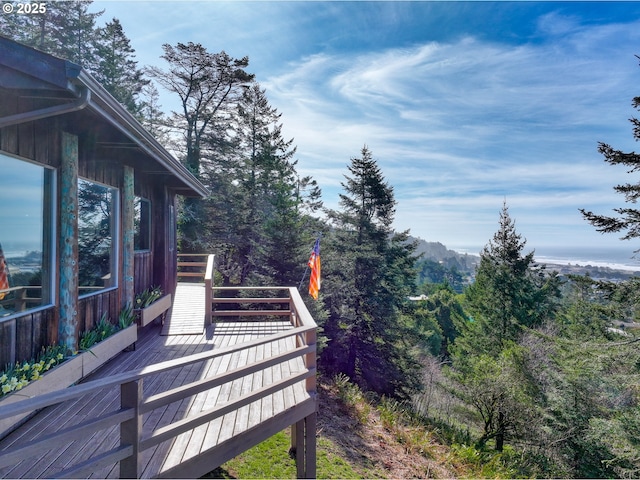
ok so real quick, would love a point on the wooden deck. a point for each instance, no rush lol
(217, 436)
(187, 314)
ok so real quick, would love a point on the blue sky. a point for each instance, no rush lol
(463, 104)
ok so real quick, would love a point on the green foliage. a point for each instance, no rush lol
(625, 219)
(104, 329)
(126, 317)
(510, 295)
(489, 464)
(15, 377)
(367, 285)
(147, 297)
(431, 273)
(353, 398)
(116, 69)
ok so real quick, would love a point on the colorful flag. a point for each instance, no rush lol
(314, 265)
(4, 274)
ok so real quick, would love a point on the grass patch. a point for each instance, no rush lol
(271, 459)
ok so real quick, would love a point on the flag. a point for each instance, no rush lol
(4, 274)
(314, 265)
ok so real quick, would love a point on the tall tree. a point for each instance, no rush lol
(209, 86)
(509, 295)
(627, 219)
(116, 69)
(65, 29)
(367, 283)
(256, 217)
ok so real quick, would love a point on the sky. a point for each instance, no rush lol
(464, 105)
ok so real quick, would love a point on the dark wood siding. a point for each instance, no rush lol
(24, 337)
(143, 271)
(92, 308)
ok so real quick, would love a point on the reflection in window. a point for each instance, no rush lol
(96, 233)
(142, 223)
(26, 232)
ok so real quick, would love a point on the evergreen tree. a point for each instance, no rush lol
(627, 219)
(116, 69)
(65, 29)
(257, 218)
(367, 282)
(510, 292)
(151, 115)
(209, 86)
(510, 295)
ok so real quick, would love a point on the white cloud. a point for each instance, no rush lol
(459, 126)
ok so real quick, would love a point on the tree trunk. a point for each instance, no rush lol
(500, 432)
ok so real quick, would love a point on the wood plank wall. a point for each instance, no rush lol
(22, 338)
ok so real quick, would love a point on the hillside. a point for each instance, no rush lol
(438, 252)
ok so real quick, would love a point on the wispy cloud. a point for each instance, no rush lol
(459, 126)
(463, 104)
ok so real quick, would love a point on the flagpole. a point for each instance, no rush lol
(303, 275)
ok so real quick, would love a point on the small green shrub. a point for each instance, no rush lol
(15, 377)
(126, 317)
(146, 298)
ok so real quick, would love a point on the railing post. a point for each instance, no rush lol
(303, 445)
(208, 291)
(131, 430)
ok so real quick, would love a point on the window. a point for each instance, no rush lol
(27, 193)
(142, 224)
(97, 230)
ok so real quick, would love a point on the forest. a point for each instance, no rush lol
(514, 358)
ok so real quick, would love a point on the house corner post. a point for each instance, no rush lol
(68, 244)
(128, 232)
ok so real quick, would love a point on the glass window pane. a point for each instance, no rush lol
(26, 199)
(96, 233)
(142, 222)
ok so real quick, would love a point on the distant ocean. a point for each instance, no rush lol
(616, 258)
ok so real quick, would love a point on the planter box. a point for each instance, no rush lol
(148, 314)
(102, 352)
(68, 373)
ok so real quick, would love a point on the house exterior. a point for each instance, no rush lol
(87, 204)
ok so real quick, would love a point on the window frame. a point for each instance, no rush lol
(49, 234)
(115, 240)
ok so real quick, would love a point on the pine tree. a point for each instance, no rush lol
(256, 218)
(65, 29)
(510, 295)
(627, 219)
(117, 69)
(368, 279)
(209, 86)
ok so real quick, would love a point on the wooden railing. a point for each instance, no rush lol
(133, 406)
(15, 299)
(192, 265)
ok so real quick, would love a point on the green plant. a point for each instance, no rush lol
(103, 329)
(15, 377)
(353, 398)
(87, 340)
(126, 317)
(146, 298)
